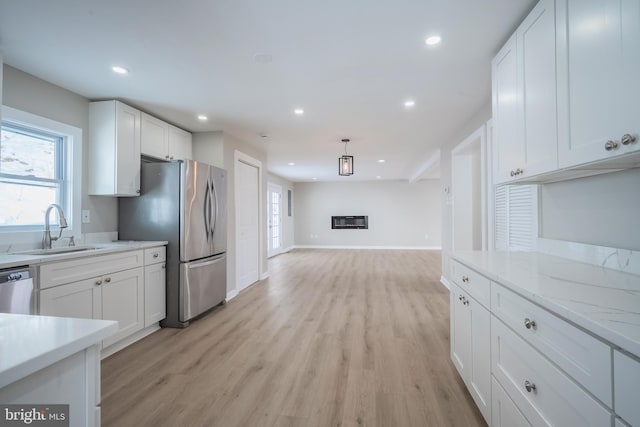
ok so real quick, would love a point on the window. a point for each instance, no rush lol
(32, 175)
(40, 164)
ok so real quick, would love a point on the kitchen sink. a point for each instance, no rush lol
(57, 251)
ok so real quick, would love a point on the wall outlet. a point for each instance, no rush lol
(86, 216)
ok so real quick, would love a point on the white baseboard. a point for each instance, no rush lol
(114, 348)
(289, 249)
(264, 275)
(445, 282)
(231, 295)
(399, 248)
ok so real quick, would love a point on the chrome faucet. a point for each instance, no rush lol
(47, 239)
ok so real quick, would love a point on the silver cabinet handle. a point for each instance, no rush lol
(164, 265)
(156, 255)
(529, 386)
(513, 173)
(166, 157)
(628, 139)
(99, 282)
(460, 297)
(610, 145)
(465, 279)
(528, 323)
(107, 280)
(465, 302)
(138, 191)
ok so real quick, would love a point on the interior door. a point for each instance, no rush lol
(274, 209)
(247, 223)
(195, 221)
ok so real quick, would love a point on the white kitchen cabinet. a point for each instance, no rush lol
(598, 52)
(155, 276)
(626, 380)
(154, 137)
(114, 149)
(123, 300)
(543, 393)
(180, 144)
(504, 413)
(470, 347)
(163, 141)
(524, 99)
(79, 299)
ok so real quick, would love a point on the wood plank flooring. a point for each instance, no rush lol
(332, 338)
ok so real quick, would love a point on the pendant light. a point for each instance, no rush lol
(345, 162)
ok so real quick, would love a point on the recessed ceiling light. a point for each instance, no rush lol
(315, 179)
(291, 164)
(202, 118)
(378, 177)
(262, 58)
(433, 40)
(119, 70)
(381, 161)
(409, 103)
(298, 111)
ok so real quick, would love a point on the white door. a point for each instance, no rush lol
(274, 211)
(247, 222)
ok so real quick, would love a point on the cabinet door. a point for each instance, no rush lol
(509, 149)
(154, 137)
(155, 308)
(536, 44)
(127, 150)
(123, 300)
(598, 52)
(479, 374)
(180, 144)
(504, 412)
(460, 319)
(79, 299)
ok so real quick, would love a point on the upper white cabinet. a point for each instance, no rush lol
(164, 141)
(524, 99)
(598, 85)
(114, 149)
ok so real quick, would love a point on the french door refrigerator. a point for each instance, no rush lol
(184, 203)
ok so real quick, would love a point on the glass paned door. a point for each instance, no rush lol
(274, 198)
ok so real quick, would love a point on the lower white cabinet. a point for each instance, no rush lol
(113, 296)
(626, 380)
(155, 307)
(504, 413)
(470, 347)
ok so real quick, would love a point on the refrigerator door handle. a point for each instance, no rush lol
(215, 200)
(207, 211)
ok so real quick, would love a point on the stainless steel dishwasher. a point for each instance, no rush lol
(18, 290)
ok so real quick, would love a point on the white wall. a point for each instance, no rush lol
(28, 93)
(208, 147)
(400, 213)
(601, 210)
(480, 118)
(287, 221)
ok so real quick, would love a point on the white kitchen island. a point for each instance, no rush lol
(53, 360)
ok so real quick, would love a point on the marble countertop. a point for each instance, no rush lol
(30, 343)
(8, 260)
(603, 301)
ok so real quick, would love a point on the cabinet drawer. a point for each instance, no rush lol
(155, 255)
(471, 282)
(553, 398)
(626, 379)
(582, 356)
(59, 273)
(504, 412)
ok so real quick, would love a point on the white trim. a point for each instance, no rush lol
(239, 156)
(232, 294)
(264, 276)
(126, 342)
(445, 282)
(289, 249)
(432, 161)
(74, 135)
(400, 248)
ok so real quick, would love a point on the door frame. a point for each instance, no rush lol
(239, 156)
(276, 189)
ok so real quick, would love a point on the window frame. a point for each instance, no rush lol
(71, 151)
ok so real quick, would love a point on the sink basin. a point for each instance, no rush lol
(57, 251)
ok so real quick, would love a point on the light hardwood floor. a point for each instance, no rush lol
(332, 338)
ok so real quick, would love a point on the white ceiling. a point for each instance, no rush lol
(349, 64)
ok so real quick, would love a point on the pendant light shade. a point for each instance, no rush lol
(345, 162)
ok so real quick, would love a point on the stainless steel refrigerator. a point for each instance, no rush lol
(184, 203)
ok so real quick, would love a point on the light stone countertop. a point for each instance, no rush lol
(30, 343)
(8, 260)
(603, 301)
